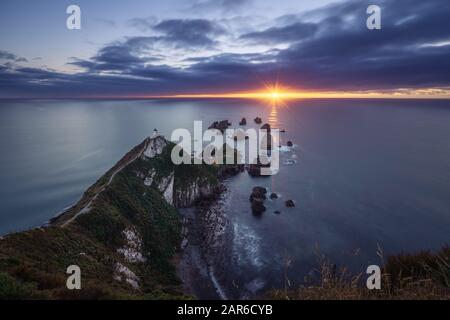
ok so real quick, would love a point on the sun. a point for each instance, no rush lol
(276, 98)
(275, 94)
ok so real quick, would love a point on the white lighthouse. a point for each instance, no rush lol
(155, 133)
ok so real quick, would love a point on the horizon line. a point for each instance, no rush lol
(271, 94)
(260, 95)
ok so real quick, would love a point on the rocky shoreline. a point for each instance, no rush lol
(207, 235)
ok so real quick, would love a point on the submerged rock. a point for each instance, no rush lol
(289, 143)
(258, 120)
(290, 203)
(243, 122)
(273, 195)
(277, 212)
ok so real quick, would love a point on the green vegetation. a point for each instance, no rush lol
(10, 289)
(33, 263)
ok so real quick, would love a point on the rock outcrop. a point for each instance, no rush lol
(132, 249)
(166, 187)
(193, 192)
(266, 127)
(258, 192)
(220, 125)
(122, 273)
(155, 146)
(258, 206)
(227, 171)
(255, 169)
(257, 200)
(290, 203)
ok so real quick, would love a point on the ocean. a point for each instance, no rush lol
(365, 175)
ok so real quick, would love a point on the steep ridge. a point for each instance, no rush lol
(123, 233)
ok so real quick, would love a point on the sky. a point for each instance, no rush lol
(144, 48)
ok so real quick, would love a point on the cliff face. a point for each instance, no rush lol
(181, 186)
(200, 188)
(123, 233)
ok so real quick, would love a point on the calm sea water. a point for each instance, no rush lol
(363, 173)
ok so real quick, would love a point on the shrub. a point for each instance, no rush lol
(10, 289)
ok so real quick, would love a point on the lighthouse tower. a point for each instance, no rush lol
(155, 133)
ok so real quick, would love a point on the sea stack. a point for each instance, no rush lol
(266, 127)
(257, 199)
(220, 125)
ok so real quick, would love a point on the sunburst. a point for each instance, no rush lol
(275, 94)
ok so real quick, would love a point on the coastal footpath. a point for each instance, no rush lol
(125, 233)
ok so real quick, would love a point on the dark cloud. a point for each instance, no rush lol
(335, 52)
(196, 32)
(132, 53)
(116, 54)
(344, 56)
(114, 58)
(291, 33)
(236, 58)
(5, 55)
(175, 33)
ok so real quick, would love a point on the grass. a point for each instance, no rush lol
(421, 276)
(423, 265)
(33, 263)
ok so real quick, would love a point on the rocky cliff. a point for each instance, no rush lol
(123, 233)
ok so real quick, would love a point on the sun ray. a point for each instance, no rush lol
(277, 94)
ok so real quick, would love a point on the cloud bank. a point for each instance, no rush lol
(329, 48)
